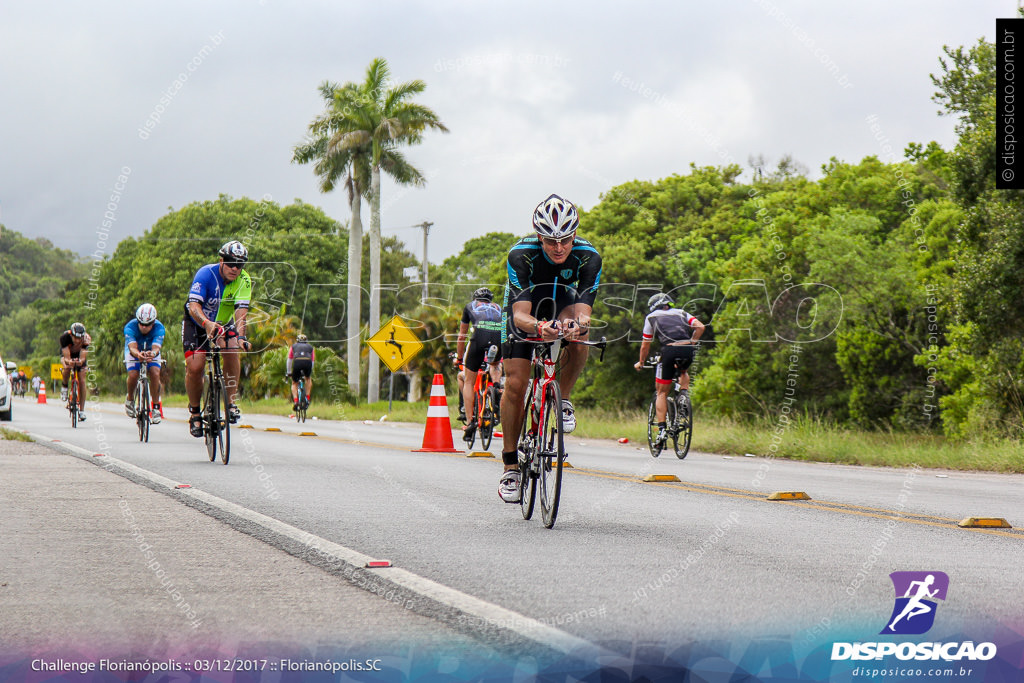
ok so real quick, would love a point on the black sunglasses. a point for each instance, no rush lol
(234, 264)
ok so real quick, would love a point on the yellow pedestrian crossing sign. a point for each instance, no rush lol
(395, 343)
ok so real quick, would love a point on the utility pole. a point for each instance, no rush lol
(426, 229)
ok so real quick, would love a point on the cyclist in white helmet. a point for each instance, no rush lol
(678, 332)
(143, 338)
(552, 283)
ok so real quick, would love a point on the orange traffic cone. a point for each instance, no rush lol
(437, 436)
(41, 398)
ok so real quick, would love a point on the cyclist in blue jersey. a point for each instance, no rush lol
(143, 339)
(552, 284)
(218, 303)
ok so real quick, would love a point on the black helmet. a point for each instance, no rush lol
(234, 251)
(483, 294)
(77, 330)
(658, 300)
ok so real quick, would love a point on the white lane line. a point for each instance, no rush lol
(479, 612)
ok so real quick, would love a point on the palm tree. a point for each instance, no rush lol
(379, 115)
(350, 166)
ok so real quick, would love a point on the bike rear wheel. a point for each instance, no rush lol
(300, 414)
(684, 422)
(552, 454)
(486, 421)
(652, 429)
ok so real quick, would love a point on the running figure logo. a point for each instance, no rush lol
(916, 594)
(396, 344)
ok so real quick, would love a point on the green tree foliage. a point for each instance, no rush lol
(983, 363)
(297, 257)
(31, 271)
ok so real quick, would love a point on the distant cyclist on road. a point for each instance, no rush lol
(552, 283)
(485, 317)
(300, 364)
(74, 352)
(143, 339)
(36, 382)
(678, 333)
(218, 303)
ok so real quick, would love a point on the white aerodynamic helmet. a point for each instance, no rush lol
(555, 217)
(146, 314)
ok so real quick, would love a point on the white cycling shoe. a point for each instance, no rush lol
(568, 416)
(508, 486)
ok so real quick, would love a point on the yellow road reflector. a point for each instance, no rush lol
(307, 433)
(789, 495)
(271, 429)
(984, 523)
(660, 477)
(245, 426)
(479, 454)
(567, 464)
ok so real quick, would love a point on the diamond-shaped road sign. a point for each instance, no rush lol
(395, 343)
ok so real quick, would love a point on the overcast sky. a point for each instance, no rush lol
(540, 97)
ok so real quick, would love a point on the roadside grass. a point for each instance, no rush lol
(802, 439)
(11, 435)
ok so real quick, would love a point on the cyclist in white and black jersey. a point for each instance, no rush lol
(678, 333)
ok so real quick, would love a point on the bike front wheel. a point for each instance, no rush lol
(142, 412)
(684, 422)
(211, 417)
(527, 456)
(552, 454)
(224, 438)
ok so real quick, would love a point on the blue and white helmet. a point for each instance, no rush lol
(555, 217)
(234, 251)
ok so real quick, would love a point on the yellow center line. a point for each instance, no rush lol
(725, 491)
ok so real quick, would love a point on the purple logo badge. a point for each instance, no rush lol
(916, 598)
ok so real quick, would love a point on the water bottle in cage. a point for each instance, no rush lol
(492, 353)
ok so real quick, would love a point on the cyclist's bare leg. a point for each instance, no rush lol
(295, 391)
(81, 389)
(133, 381)
(309, 385)
(661, 402)
(575, 355)
(495, 369)
(517, 376)
(195, 365)
(684, 380)
(469, 393)
(154, 384)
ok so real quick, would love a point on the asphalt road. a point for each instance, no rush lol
(629, 564)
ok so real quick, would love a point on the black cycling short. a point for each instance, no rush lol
(193, 336)
(476, 353)
(301, 367)
(674, 362)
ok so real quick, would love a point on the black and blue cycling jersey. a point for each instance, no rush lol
(549, 286)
